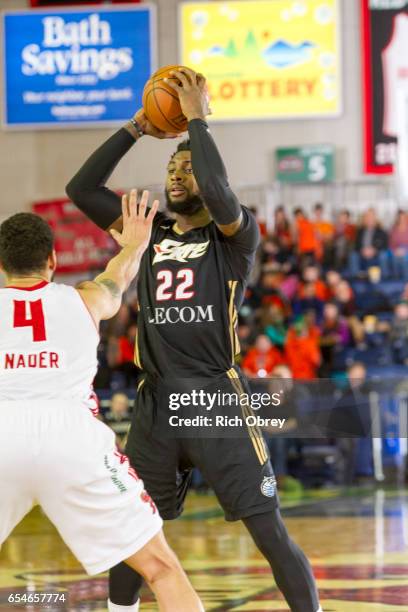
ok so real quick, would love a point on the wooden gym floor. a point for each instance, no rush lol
(358, 545)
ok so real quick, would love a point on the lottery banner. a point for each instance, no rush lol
(265, 59)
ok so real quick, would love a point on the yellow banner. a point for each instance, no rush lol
(265, 59)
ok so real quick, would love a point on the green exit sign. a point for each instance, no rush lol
(311, 164)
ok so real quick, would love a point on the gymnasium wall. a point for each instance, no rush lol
(37, 164)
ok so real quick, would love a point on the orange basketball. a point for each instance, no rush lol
(161, 103)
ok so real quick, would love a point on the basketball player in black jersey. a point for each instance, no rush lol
(191, 284)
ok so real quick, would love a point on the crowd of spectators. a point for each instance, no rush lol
(325, 294)
(303, 308)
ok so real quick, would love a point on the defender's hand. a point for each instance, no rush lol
(149, 129)
(192, 92)
(137, 227)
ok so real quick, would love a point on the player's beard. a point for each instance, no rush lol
(188, 207)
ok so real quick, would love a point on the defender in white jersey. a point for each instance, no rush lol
(49, 351)
(53, 452)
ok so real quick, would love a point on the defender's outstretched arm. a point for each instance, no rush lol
(103, 295)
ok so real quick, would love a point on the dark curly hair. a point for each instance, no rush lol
(26, 241)
(184, 145)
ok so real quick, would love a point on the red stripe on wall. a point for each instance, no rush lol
(370, 167)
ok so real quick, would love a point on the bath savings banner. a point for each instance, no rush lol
(76, 66)
(265, 59)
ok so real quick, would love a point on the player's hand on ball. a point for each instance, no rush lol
(192, 92)
(137, 226)
(149, 129)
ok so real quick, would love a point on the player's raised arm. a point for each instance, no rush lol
(103, 295)
(208, 167)
(87, 188)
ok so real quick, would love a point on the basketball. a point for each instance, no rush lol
(161, 103)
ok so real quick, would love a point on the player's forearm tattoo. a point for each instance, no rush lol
(112, 287)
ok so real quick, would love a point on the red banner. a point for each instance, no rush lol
(385, 68)
(80, 244)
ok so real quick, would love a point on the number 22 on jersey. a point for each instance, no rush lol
(175, 286)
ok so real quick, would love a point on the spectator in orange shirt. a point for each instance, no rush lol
(324, 232)
(309, 247)
(324, 229)
(302, 351)
(261, 359)
(311, 276)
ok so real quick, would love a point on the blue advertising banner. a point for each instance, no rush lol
(76, 66)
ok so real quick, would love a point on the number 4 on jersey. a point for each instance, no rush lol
(35, 318)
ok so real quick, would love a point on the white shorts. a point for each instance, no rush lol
(61, 457)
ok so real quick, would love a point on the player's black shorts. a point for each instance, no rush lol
(237, 468)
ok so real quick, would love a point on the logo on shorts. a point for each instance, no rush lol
(268, 486)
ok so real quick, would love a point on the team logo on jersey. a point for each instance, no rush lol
(268, 486)
(178, 251)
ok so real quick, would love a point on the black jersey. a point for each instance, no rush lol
(190, 288)
(190, 284)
